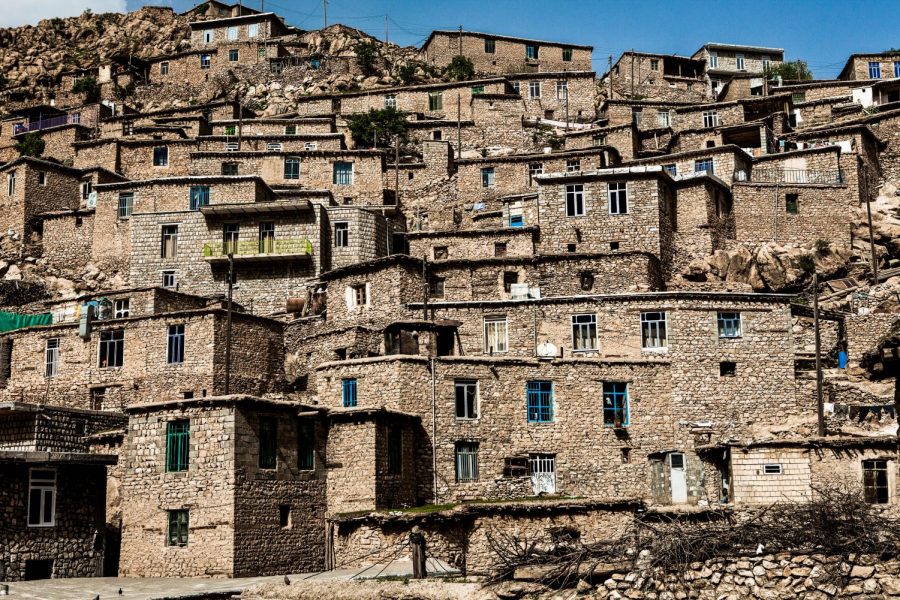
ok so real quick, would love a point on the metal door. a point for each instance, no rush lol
(543, 473)
(678, 478)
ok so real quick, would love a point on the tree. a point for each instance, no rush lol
(377, 125)
(31, 144)
(407, 72)
(366, 55)
(89, 87)
(795, 70)
(460, 68)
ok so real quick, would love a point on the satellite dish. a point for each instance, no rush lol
(546, 350)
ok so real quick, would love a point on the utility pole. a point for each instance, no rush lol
(610, 77)
(567, 100)
(632, 72)
(425, 288)
(240, 128)
(458, 123)
(397, 172)
(325, 12)
(228, 324)
(386, 38)
(871, 231)
(460, 40)
(820, 405)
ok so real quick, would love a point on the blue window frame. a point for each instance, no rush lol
(671, 169)
(516, 221)
(487, 177)
(343, 173)
(348, 392)
(540, 401)
(875, 70)
(704, 166)
(615, 404)
(199, 196)
(897, 68)
(729, 324)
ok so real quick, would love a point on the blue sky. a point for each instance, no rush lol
(822, 32)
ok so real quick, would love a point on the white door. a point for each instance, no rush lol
(543, 474)
(678, 478)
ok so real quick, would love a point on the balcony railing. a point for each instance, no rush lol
(258, 248)
(796, 176)
(47, 123)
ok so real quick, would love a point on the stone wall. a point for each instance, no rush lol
(508, 55)
(551, 98)
(68, 239)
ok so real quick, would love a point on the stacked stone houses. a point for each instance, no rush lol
(309, 332)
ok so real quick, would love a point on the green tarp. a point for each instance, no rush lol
(10, 321)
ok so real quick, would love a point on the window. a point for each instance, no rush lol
(390, 101)
(671, 170)
(618, 198)
(42, 178)
(713, 60)
(161, 157)
(230, 234)
(276, 67)
(710, 118)
(436, 286)
(584, 333)
(515, 87)
(128, 128)
(739, 61)
(653, 330)
(435, 101)
(204, 61)
(772, 469)
(495, 334)
(516, 216)
(729, 324)
(169, 241)
(360, 295)
(343, 173)
(268, 442)
(792, 203)
(487, 177)
(490, 45)
(637, 114)
(466, 462)
(169, 280)
(87, 186)
(575, 200)
(875, 481)
(229, 168)
(874, 70)
(253, 30)
(534, 169)
(232, 147)
(208, 36)
(510, 278)
(654, 64)
(663, 118)
(121, 309)
(573, 165)
(51, 358)
(586, 281)
(231, 130)
(704, 165)
(309, 146)
(164, 68)
(199, 196)
(306, 445)
(477, 89)
(394, 450)
(567, 54)
(290, 130)
(615, 404)
(42, 498)
(765, 62)
(291, 167)
(499, 249)
(466, 400)
(111, 349)
(178, 528)
(897, 68)
(284, 516)
(266, 237)
(727, 368)
(232, 33)
(531, 51)
(540, 401)
(534, 89)
(562, 89)
(261, 53)
(175, 345)
(341, 235)
(178, 445)
(348, 393)
(274, 147)
(233, 55)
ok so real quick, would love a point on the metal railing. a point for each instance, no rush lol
(795, 176)
(47, 123)
(258, 247)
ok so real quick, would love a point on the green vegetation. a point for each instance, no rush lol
(460, 69)
(823, 247)
(89, 87)
(377, 127)
(407, 72)
(796, 70)
(366, 56)
(31, 144)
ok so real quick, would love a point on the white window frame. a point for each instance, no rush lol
(122, 308)
(274, 147)
(772, 469)
(713, 60)
(51, 357)
(11, 184)
(253, 30)
(576, 191)
(616, 194)
(44, 485)
(664, 118)
(655, 326)
(585, 322)
(534, 90)
(466, 461)
(310, 146)
(739, 62)
(342, 234)
(573, 165)
(493, 327)
(169, 273)
(390, 101)
(466, 383)
(765, 61)
(208, 36)
(710, 119)
(232, 34)
(562, 89)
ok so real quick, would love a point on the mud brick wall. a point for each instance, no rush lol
(68, 239)
(70, 545)
(508, 55)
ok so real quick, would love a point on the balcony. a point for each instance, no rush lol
(268, 250)
(795, 176)
(57, 121)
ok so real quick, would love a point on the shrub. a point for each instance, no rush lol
(366, 55)
(377, 127)
(823, 247)
(796, 70)
(31, 144)
(89, 87)
(407, 72)
(460, 69)
(806, 264)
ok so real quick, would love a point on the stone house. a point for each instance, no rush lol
(878, 65)
(122, 125)
(659, 77)
(243, 28)
(226, 486)
(728, 163)
(274, 126)
(622, 139)
(53, 493)
(500, 54)
(173, 347)
(560, 96)
(32, 186)
(725, 59)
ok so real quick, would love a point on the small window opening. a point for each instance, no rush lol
(727, 368)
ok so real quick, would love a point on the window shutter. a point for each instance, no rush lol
(349, 298)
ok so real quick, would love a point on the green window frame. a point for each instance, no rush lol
(231, 130)
(179, 524)
(268, 442)
(178, 445)
(306, 445)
